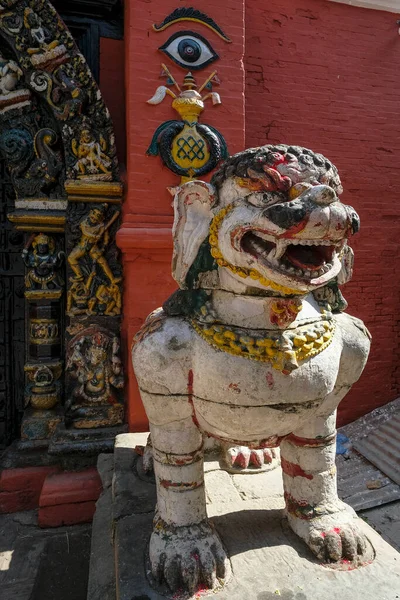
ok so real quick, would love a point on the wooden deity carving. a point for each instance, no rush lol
(43, 264)
(95, 364)
(258, 255)
(93, 287)
(93, 162)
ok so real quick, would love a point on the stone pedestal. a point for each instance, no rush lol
(268, 560)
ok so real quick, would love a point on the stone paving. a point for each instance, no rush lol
(268, 560)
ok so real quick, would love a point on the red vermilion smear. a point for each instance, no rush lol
(294, 470)
(270, 379)
(295, 229)
(190, 396)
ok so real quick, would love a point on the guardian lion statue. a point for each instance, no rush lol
(254, 350)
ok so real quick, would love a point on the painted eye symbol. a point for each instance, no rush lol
(189, 49)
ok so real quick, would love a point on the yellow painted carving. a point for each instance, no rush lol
(189, 149)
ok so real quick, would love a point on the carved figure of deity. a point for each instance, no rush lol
(95, 363)
(93, 243)
(246, 353)
(107, 300)
(42, 47)
(43, 262)
(92, 159)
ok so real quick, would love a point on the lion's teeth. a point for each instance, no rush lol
(280, 249)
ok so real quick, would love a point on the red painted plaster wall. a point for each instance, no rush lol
(145, 236)
(318, 74)
(326, 76)
(112, 85)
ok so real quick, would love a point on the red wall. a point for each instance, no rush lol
(326, 76)
(112, 86)
(319, 74)
(145, 236)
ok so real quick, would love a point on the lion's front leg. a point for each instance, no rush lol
(315, 513)
(184, 550)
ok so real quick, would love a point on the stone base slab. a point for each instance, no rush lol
(268, 560)
(86, 442)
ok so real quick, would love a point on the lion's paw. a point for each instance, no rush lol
(335, 538)
(241, 459)
(188, 558)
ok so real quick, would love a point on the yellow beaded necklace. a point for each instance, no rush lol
(283, 349)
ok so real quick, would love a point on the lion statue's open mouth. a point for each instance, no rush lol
(314, 261)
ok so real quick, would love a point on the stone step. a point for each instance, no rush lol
(101, 585)
(268, 559)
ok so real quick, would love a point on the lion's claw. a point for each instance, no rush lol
(242, 458)
(186, 558)
(340, 543)
(334, 538)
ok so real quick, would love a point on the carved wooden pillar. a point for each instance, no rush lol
(44, 294)
(94, 406)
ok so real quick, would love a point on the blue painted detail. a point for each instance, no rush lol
(343, 444)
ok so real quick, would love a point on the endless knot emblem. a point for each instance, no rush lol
(190, 148)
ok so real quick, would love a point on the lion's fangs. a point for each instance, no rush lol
(273, 256)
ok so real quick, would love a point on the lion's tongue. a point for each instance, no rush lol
(309, 256)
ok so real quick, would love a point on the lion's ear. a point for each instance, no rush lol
(193, 202)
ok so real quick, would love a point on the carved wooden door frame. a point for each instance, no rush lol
(57, 137)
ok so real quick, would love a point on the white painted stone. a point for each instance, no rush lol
(191, 387)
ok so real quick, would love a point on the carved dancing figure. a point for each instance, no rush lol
(249, 251)
(107, 300)
(93, 242)
(91, 154)
(40, 36)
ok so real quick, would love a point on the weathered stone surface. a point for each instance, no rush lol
(268, 559)
(105, 468)
(254, 350)
(101, 585)
(133, 491)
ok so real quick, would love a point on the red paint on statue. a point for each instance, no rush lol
(294, 470)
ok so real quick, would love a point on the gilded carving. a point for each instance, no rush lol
(58, 73)
(93, 162)
(43, 263)
(34, 162)
(42, 47)
(93, 286)
(44, 331)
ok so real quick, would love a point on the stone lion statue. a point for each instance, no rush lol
(254, 350)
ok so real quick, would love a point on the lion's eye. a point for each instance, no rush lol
(264, 200)
(189, 49)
